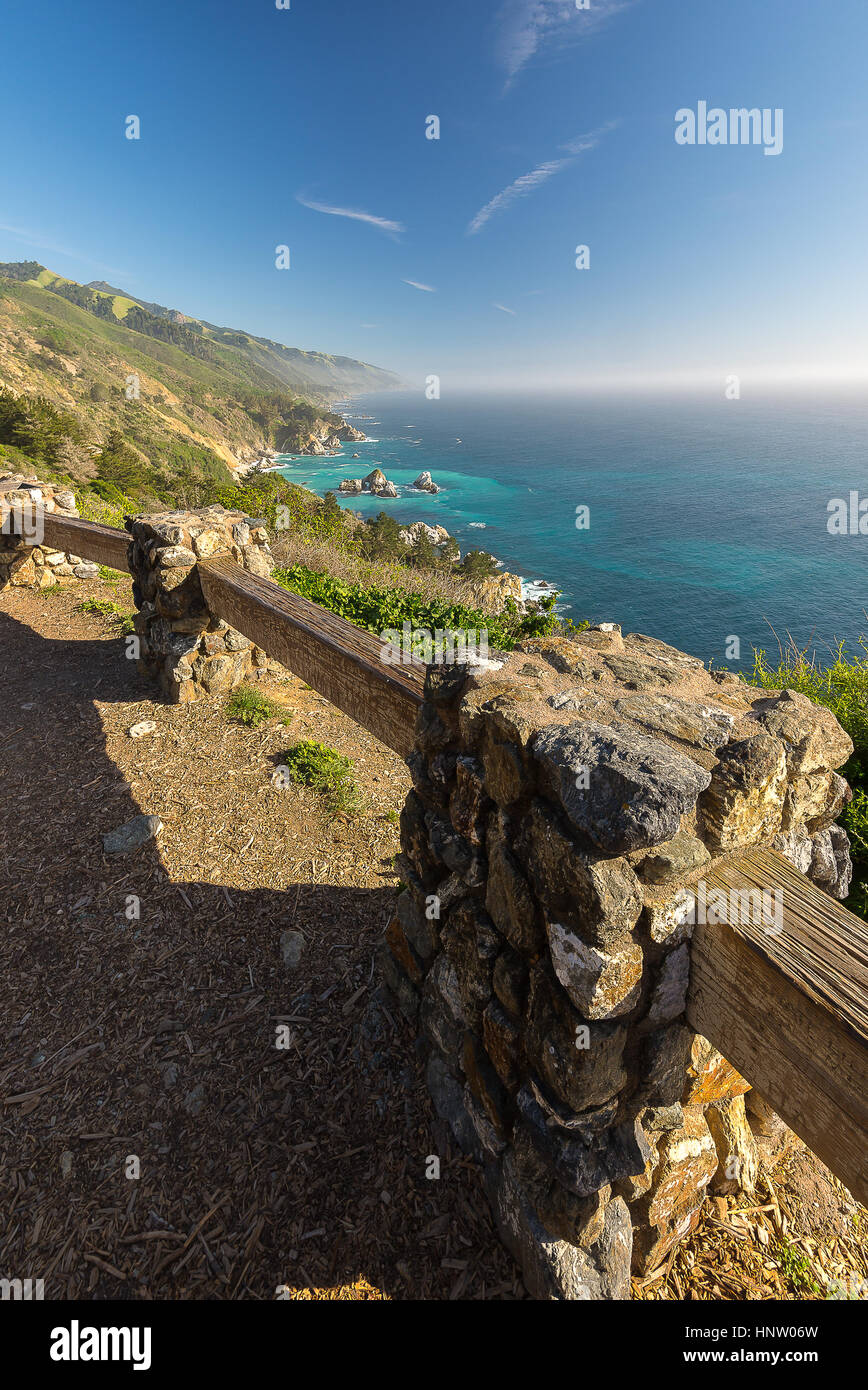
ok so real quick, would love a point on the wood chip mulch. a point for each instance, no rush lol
(148, 1043)
(773, 1247)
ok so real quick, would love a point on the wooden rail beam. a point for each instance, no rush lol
(105, 545)
(789, 1009)
(336, 658)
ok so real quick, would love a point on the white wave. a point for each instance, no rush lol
(536, 589)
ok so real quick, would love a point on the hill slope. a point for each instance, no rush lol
(183, 393)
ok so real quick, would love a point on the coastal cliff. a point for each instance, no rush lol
(325, 437)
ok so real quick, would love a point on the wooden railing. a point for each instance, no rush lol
(103, 544)
(789, 1010)
(337, 658)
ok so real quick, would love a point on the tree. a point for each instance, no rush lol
(478, 564)
(381, 539)
(422, 553)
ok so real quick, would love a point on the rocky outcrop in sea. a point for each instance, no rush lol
(425, 483)
(376, 483)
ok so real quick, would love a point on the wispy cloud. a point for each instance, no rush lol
(528, 183)
(519, 189)
(429, 289)
(526, 27)
(503, 309)
(383, 223)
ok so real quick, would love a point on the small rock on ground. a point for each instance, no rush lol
(133, 835)
(291, 947)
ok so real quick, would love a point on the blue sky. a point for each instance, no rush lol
(557, 129)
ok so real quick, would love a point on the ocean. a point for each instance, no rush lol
(707, 518)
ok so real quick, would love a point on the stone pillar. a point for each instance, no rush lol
(24, 563)
(191, 653)
(566, 810)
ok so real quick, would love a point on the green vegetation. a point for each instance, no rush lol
(377, 609)
(104, 608)
(317, 766)
(32, 425)
(248, 706)
(842, 686)
(796, 1269)
(110, 576)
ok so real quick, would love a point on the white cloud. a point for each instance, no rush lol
(393, 228)
(526, 27)
(503, 309)
(429, 289)
(521, 187)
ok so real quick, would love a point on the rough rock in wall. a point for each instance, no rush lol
(568, 803)
(24, 563)
(190, 652)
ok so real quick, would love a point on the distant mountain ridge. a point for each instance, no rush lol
(188, 397)
(321, 374)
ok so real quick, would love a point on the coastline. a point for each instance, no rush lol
(531, 589)
(327, 455)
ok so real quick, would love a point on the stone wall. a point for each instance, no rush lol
(23, 562)
(192, 654)
(567, 808)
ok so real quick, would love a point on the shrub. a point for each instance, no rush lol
(247, 706)
(377, 609)
(842, 686)
(317, 766)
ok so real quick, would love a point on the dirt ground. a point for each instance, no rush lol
(156, 1142)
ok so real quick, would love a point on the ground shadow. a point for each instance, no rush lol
(172, 1071)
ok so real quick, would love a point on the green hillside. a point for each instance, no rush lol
(182, 400)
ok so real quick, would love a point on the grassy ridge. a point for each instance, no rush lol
(188, 398)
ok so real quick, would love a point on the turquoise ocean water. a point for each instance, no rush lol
(708, 518)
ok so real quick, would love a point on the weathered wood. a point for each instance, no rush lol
(103, 544)
(336, 658)
(789, 1010)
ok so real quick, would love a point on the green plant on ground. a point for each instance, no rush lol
(247, 706)
(795, 1268)
(842, 686)
(111, 576)
(326, 771)
(104, 608)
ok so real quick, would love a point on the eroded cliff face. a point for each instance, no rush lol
(324, 437)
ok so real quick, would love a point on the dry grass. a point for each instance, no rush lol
(325, 558)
